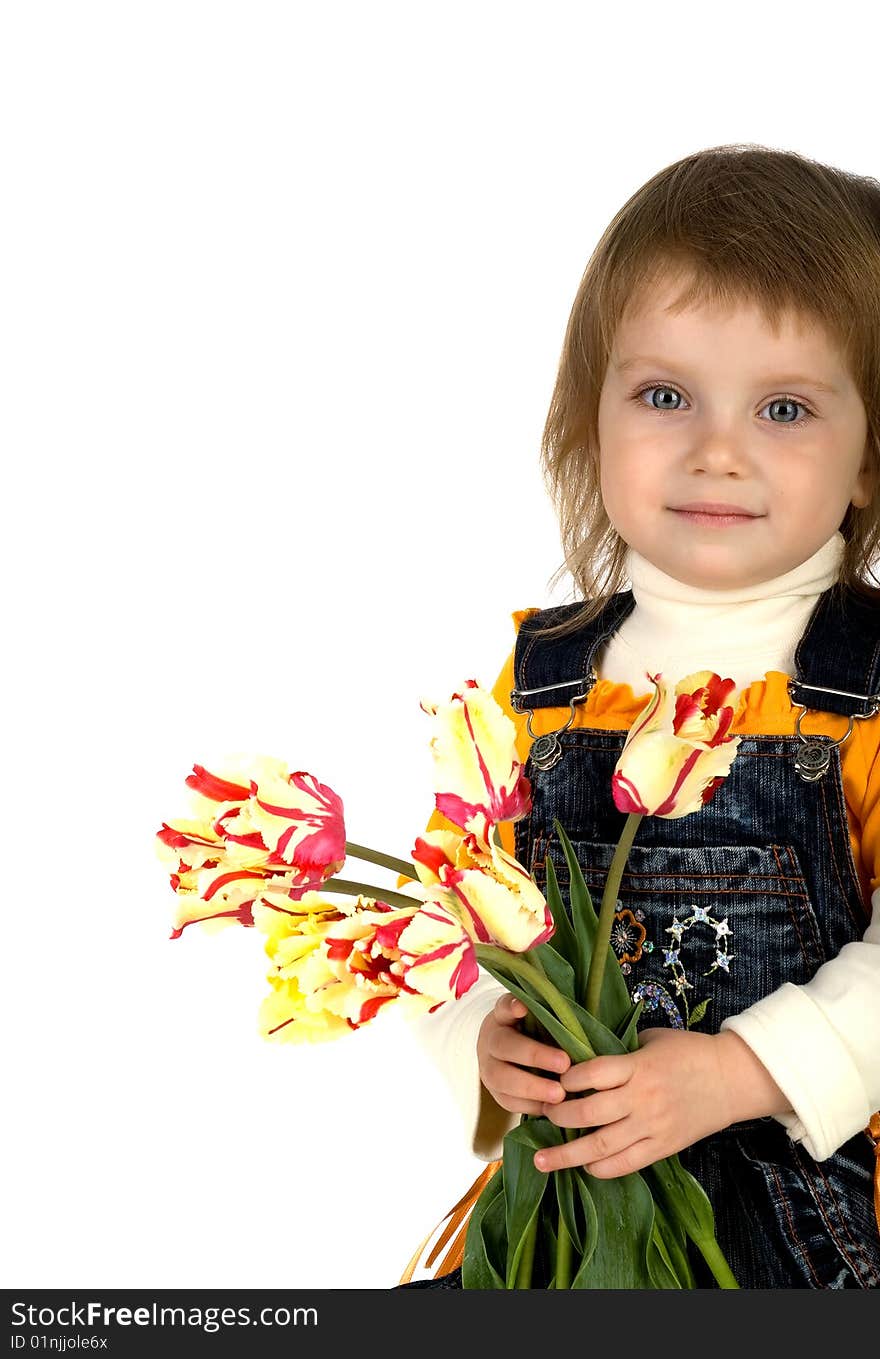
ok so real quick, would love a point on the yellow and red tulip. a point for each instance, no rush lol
(334, 969)
(439, 957)
(284, 1016)
(495, 899)
(256, 827)
(341, 964)
(478, 777)
(679, 750)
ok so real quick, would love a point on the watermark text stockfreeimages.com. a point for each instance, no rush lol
(94, 1314)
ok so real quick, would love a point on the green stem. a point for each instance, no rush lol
(527, 1259)
(516, 963)
(564, 1243)
(714, 1257)
(606, 912)
(563, 1256)
(349, 888)
(375, 856)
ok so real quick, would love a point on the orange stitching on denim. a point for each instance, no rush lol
(805, 1168)
(562, 875)
(851, 864)
(794, 1236)
(794, 919)
(747, 877)
(833, 856)
(537, 858)
(809, 913)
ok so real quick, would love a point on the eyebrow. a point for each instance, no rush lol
(781, 381)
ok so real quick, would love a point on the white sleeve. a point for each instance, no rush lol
(449, 1035)
(820, 1044)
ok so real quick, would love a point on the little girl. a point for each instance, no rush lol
(713, 440)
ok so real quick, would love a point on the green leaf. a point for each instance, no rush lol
(697, 1012)
(627, 1033)
(601, 1037)
(687, 1206)
(545, 1258)
(614, 1003)
(569, 1042)
(580, 905)
(485, 1244)
(578, 1214)
(563, 938)
(675, 1243)
(624, 1211)
(555, 967)
(565, 1197)
(524, 1184)
(660, 1266)
(683, 1198)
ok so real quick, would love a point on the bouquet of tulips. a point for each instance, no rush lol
(263, 848)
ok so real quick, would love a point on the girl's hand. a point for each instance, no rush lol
(677, 1087)
(503, 1053)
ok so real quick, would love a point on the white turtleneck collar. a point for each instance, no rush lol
(741, 633)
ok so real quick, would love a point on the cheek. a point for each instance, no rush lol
(623, 495)
(612, 487)
(630, 480)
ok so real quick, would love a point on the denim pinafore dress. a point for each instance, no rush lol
(718, 908)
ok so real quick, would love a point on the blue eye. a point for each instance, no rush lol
(673, 410)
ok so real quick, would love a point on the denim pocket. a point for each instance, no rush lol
(823, 1210)
(701, 932)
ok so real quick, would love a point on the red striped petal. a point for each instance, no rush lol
(211, 786)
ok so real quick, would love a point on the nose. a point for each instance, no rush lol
(718, 452)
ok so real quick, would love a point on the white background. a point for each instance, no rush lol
(284, 288)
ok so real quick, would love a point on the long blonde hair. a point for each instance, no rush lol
(738, 224)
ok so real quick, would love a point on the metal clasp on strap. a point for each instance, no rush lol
(814, 756)
(546, 749)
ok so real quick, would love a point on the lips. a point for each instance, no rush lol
(714, 507)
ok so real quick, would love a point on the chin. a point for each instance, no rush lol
(714, 575)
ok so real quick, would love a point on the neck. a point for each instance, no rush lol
(741, 633)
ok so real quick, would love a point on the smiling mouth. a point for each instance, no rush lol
(716, 518)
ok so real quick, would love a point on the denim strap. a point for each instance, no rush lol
(551, 672)
(839, 651)
(837, 660)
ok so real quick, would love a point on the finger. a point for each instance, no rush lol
(599, 1073)
(516, 1083)
(635, 1157)
(518, 1106)
(509, 1045)
(593, 1111)
(509, 1010)
(603, 1143)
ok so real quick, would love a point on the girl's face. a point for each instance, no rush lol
(710, 408)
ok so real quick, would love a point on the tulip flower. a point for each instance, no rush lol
(478, 779)
(678, 752)
(256, 827)
(346, 964)
(488, 890)
(674, 759)
(441, 961)
(285, 1018)
(301, 821)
